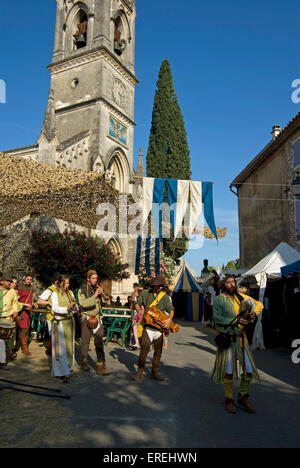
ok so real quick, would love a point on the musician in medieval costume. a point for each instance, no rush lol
(63, 305)
(44, 300)
(8, 311)
(25, 293)
(155, 296)
(89, 297)
(226, 307)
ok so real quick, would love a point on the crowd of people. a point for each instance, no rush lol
(65, 314)
(63, 308)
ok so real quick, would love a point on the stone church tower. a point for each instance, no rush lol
(89, 120)
(89, 123)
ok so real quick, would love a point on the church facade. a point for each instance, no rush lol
(89, 120)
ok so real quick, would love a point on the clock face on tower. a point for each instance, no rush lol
(119, 92)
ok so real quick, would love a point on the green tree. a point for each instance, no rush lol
(233, 265)
(72, 253)
(168, 153)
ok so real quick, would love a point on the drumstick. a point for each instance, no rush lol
(66, 397)
(31, 386)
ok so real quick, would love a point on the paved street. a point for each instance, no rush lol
(184, 411)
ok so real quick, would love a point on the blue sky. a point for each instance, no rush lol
(232, 62)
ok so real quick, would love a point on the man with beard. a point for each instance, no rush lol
(226, 307)
(89, 296)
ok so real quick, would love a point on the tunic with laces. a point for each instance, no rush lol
(225, 309)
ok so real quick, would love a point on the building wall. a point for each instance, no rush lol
(294, 239)
(264, 209)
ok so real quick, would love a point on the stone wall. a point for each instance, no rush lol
(264, 209)
(14, 241)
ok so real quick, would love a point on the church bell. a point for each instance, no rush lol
(117, 48)
(80, 41)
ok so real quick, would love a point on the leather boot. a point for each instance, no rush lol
(84, 365)
(24, 347)
(245, 404)
(139, 374)
(49, 347)
(229, 406)
(102, 369)
(156, 376)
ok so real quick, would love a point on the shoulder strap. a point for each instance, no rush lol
(28, 295)
(158, 299)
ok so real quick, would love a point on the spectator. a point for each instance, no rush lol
(129, 302)
(136, 318)
(9, 311)
(118, 302)
(25, 293)
(14, 282)
(208, 310)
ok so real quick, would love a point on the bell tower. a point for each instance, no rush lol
(92, 92)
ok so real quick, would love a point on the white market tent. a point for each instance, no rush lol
(269, 267)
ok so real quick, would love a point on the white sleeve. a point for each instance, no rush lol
(45, 295)
(55, 307)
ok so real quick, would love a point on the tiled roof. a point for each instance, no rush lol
(15, 150)
(286, 132)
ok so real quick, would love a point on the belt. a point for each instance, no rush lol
(62, 319)
(87, 309)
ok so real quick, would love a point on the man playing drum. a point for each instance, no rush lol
(8, 311)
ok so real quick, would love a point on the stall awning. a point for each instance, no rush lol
(185, 281)
(291, 268)
(271, 265)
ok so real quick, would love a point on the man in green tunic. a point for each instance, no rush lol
(89, 296)
(153, 296)
(226, 307)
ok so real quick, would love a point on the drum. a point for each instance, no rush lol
(7, 329)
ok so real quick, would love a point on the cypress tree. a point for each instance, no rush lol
(168, 153)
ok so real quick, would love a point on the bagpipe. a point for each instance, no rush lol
(155, 317)
(224, 340)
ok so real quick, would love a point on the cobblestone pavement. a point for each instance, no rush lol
(186, 410)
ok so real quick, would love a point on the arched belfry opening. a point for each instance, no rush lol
(76, 28)
(122, 34)
(79, 30)
(119, 36)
